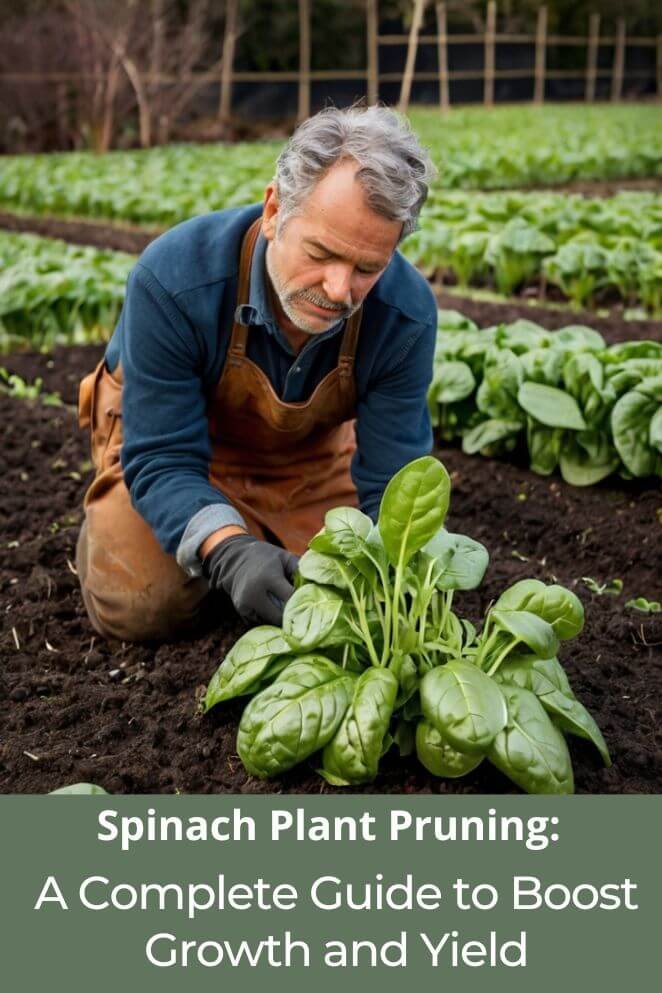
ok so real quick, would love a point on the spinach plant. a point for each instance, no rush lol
(579, 406)
(372, 654)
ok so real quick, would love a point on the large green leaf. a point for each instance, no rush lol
(547, 679)
(580, 467)
(295, 716)
(555, 604)
(327, 570)
(438, 755)
(630, 423)
(481, 437)
(522, 336)
(246, 664)
(344, 529)
(352, 756)
(465, 705)
(497, 394)
(551, 406)
(454, 382)
(79, 789)
(463, 561)
(344, 534)
(413, 507)
(544, 446)
(310, 614)
(655, 431)
(529, 629)
(529, 749)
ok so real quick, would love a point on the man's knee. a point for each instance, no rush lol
(134, 604)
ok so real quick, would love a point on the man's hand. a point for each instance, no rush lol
(256, 575)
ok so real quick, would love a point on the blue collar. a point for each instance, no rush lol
(258, 310)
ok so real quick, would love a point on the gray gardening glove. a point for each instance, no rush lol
(256, 575)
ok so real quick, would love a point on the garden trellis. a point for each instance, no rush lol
(369, 78)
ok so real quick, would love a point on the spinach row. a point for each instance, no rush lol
(577, 404)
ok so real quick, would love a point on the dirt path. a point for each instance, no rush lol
(73, 707)
(80, 231)
(485, 313)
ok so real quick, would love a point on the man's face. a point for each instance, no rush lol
(329, 255)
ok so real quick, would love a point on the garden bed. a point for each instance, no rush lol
(77, 708)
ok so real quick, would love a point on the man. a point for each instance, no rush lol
(270, 362)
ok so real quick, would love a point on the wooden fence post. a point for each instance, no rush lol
(412, 48)
(619, 61)
(304, 60)
(62, 113)
(442, 56)
(372, 32)
(541, 44)
(592, 57)
(229, 41)
(490, 30)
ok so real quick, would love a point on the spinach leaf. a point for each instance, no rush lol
(544, 446)
(529, 629)
(561, 608)
(327, 570)
(551, 406)
(246, 664)
(352, 756)
(310, 615)
(464, 705)
(413, 508)
(295, 716)
(456, 383)
(529, 749)
(484, 436)
(438, 755)
(546, 678)
(631, 421)
(463, 561)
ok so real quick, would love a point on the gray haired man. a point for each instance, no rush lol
(270, 362)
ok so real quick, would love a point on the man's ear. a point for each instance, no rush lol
(270, 212)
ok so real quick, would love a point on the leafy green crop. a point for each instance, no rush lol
(373, 655)
(472, 148)
(55, 293)
(579, 406)
(577, 244)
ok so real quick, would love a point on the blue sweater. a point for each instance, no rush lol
(172, 337)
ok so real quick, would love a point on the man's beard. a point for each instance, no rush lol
(288, 301)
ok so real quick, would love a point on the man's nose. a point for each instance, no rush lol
(337, 284)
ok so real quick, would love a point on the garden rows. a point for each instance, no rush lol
(581, 246)
(580, 406)
(570, 400)
(506, 147)
(55, 293)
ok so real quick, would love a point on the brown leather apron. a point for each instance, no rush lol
(282, 465)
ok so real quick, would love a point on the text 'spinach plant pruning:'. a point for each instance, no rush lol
(372, 654)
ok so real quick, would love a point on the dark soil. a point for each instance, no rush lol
(613, 328)
(603, 187)
(76, 708)
(80, 231)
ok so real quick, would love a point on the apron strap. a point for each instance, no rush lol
(237, 348)
(349, 344)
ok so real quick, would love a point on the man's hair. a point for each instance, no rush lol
(393, 168)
